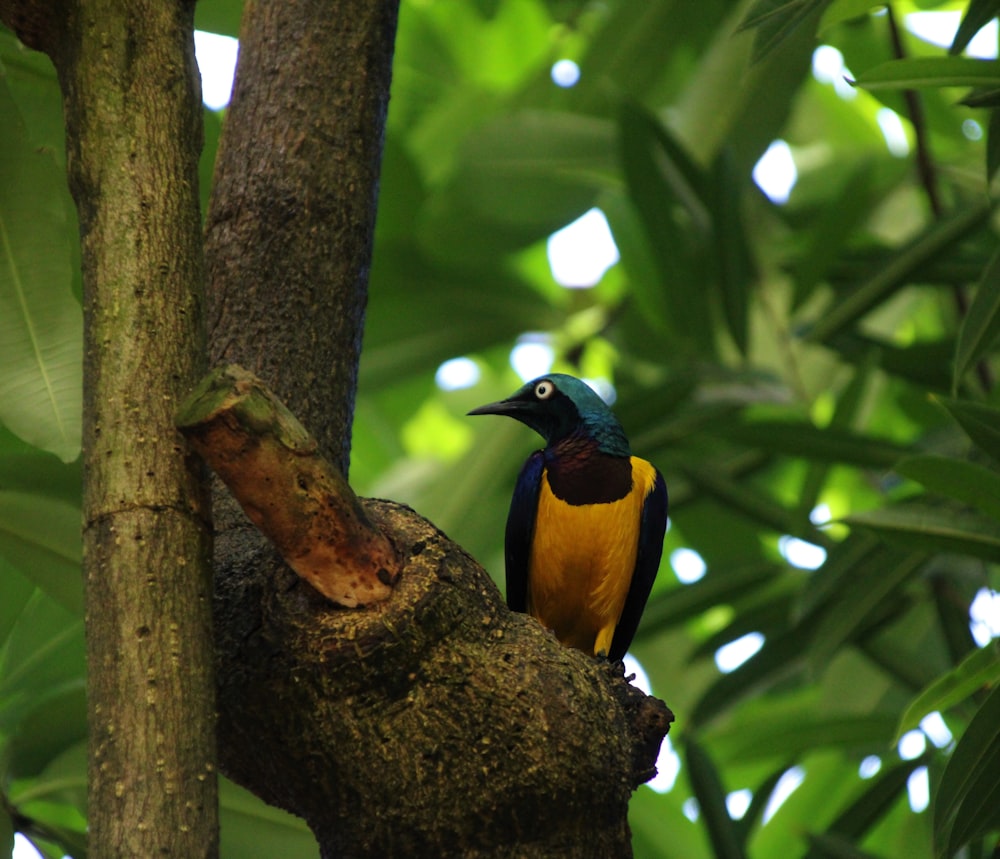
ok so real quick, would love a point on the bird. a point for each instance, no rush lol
(585, 529)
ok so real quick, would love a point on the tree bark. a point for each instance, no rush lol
(133, 121)
(292, 216)
(439, 724)
(435, 722)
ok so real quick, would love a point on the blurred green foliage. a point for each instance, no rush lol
(836, 351)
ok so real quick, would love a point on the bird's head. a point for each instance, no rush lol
(558, 406)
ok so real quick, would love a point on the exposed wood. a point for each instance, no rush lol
(273, 468)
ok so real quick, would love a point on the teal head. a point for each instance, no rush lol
(559, 407)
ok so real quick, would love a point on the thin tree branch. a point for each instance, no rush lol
(915, 111)
(928, 174)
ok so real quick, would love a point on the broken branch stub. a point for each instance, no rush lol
(302, 504)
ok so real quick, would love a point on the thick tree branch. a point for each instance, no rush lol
(437, 724)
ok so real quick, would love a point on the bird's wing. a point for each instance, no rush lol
(521, 530)
(651, 529)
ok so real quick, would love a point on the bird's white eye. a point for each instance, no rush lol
(544, 389)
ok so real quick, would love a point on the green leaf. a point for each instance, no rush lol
(250, 827)
(967, 804)
(652, 307)
(6, 832)
(53, 721)
(977, 15)
(734, 259)
(981, 324)
(404, 336)
(938, 239)
(920, 72)
(713, 113)
(776, 20)
(657, 820)
(711, 796)
(854, 822)
(764, 612)
(40, 537)
(978, 670)
(935, 529)
(718, 587)
(964, 481)
(767, 10)
(849, 208)
(794, 732)
(26, 468)
(761, 798)
(669, 191)
(993, 144)
(781, 656)
(855, 607)
(926, 364)
(41, 323)
(63, 781)
(34, 87)
(802, 439)
(41, 659)
(15, 593)
(748, 500)
(986, 98)
(543, 167)
(56, 803)
(842, 561)
(981, 423)
(219, 16)
(833, 846)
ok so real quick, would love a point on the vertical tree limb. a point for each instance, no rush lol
(133, 116)
(292, 217)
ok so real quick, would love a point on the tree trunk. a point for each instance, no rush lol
(133, 121)
(435, 722)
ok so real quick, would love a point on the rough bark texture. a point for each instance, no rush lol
(291, 221)
(133, 120)
(434, 723)
(438, 724)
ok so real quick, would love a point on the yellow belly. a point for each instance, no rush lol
(582, 560)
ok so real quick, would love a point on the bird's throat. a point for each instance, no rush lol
(579, 473)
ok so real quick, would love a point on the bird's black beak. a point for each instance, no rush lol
(501, 407)
(521, 407)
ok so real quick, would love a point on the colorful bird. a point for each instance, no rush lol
(585, 528)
